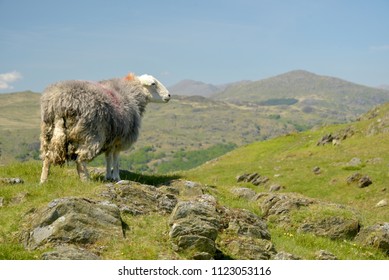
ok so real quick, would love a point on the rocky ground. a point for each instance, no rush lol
(199, 226)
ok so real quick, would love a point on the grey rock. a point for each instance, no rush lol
(336, 227)
(190, 184)
(310, 216)
(260, 180)
(72, 221)
(365, 181)
(326, 139)
(281, 204)
(316, 170)
(382, 203)
(285, 256)
(196, 244)
(241, 222)
(183, 188)
(337, 137)
(325, 255)
(354, 178)
(276, 188)
(202, 256)
(355, 162)
(362, 181)
(194, 226)
(253, 178)
(248, 248)
(12, 181)
(242, 178)
(245, 235)
(376, 236)
(245, 193)
(69, 253)
(123, 182)
(138, 199)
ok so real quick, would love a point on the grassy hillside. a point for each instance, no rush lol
(19, 110)
(287, 160)
(19, 126)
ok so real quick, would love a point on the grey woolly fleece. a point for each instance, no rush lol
(82, 119)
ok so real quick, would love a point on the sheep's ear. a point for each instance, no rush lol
(147, 80)
(130, 77)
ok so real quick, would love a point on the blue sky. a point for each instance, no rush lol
(213, 41)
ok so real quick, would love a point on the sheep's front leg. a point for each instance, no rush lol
(108, 162)
(45, 170)
(115, 173)
(82, 170)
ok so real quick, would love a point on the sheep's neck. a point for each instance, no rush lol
(141, 102)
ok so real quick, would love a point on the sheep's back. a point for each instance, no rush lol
(89, 108)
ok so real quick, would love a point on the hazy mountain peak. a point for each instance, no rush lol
(192, 87)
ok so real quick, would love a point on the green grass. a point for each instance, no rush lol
(147, 237)
(286, 160)
(306, 245)
(289, 161)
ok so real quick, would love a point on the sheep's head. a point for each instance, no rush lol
(156, 90)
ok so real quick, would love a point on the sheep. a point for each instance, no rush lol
(82, 119)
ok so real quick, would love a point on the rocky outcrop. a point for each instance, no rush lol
(138, 199)
(253, 178)
(205, 230)
(362, 181)
(308, 215)
(194, 226)
(11, 181)
(376, 236)
(199, 227)
(337, 137)
(245, 193)
(72, 220)
(285, 256)
(325, 255)
(245, 236)
(69, 253)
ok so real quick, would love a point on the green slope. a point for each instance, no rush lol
(289, 161)
(286, 160)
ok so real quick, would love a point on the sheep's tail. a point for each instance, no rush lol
(54, 142)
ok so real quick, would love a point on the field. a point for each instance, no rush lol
(287, 161)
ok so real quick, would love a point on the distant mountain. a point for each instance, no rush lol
(308, 93)
(191, 87)
(384, 87)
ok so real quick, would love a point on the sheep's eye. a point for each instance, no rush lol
(153, 84)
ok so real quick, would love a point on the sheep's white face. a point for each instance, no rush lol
(157, 91)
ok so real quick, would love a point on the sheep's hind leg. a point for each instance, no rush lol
(108, 162)
(82, 170)
(115, 173)
(45, 170)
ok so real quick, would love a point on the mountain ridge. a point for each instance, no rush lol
(192, 125)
